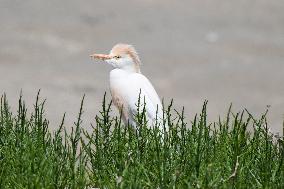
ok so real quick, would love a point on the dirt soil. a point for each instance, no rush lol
(223, 51)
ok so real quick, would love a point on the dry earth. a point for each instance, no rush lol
(220, 50)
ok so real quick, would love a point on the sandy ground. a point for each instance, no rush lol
(223, 51)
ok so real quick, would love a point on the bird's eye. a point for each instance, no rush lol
(117, 57)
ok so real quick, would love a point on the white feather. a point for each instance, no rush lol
(128, 85)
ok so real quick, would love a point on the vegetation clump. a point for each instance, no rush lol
(223, 154)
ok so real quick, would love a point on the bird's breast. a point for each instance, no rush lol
(117, 88)
(125, 87)
(117, 98)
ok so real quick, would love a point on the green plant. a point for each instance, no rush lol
(223, 154)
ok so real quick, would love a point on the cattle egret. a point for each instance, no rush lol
(127, 83)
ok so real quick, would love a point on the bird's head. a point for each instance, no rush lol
(121, 56)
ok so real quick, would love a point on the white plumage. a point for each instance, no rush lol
(127, 82)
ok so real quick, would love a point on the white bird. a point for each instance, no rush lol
(127, 82)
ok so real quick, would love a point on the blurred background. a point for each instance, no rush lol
(219, 50)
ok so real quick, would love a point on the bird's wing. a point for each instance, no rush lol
(148, 93)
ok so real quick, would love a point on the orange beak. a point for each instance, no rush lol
(101, 56)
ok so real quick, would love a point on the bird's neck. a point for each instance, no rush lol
(131, 68)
